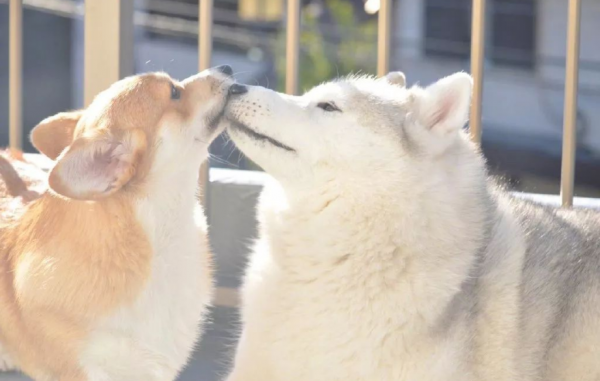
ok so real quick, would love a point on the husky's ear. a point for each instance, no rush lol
(443, 107)
(53, 134)
(396, 78)
(96, 167)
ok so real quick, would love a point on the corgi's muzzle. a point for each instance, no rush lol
(214, 119)
(225, 69)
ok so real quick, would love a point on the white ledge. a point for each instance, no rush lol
(241, 177)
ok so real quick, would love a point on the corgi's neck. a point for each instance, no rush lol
(65, 211)
(180, 181)
(53, 224)
(177, 188)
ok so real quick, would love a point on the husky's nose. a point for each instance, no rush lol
(225, 69)
(237, 89)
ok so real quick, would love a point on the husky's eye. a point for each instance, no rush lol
(328, 106)
(175, 92)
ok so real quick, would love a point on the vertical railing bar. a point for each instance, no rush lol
(292, 47)
(205, 17)
(15, 68)
(108, 45)
(384, 37)
(205, 24)
(567, 178)
(477, 59)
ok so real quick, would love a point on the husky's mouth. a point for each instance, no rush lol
(257, 136)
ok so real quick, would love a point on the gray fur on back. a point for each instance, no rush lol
(561, 271)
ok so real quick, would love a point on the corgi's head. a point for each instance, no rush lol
(140, 128)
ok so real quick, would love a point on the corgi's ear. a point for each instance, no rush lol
(53, 134)
(396, 78)
(96, 167)
(443, 107)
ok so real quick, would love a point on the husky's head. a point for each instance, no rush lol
(353, 129)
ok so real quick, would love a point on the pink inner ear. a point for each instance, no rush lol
(94, 168)
(446, 104)
(441, 112)
(91, 170)
(110, 164)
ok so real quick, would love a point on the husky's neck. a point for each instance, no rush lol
(432, 227)
(379, 246)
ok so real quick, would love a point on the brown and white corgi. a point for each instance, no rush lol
(107, 276)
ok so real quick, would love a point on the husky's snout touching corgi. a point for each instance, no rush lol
(386, 253)
(108, 276)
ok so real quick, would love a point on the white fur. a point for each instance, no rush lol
(368, 237)
(153, 338)
(6, 362)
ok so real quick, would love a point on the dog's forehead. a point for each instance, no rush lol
(374, 101)
(150, 84)
(128, 103)
(359, 89)
(329, 91)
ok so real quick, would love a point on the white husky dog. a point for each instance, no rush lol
(387, 254)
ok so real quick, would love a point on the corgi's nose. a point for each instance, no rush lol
(225, 69)
(237, 89)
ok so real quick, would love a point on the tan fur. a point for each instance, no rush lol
(20, 183)
(53, 134)
(68, 262)
(53, 295)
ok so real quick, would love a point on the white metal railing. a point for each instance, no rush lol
(567, 177)
(384, 38)
(108, 44)
(109, 56)
(205, 22)
(15, 73)
(292, 46)
(477, 57)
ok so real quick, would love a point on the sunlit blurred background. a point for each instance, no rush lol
(523, 79)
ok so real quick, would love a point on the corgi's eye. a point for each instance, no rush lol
(175, 92)
(328, 106)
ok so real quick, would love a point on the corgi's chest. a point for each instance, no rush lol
(165, 318)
